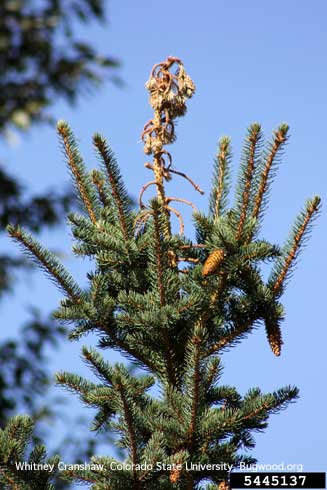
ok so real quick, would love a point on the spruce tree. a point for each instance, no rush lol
(169, 304)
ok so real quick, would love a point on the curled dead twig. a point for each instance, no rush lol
(182, 174)
(144, 188)
(168, 95)
(179, 199)
(180, 218)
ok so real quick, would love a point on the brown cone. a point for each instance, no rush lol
(175, 475)
(274, 335)
(213, 262)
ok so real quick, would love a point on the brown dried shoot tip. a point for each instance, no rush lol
(168, 94)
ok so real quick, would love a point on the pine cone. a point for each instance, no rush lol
(175, 475)
(274, 335)
(213, 262)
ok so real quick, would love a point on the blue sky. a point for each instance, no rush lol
(251, 61)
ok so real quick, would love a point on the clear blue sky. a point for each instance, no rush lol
(251, 61)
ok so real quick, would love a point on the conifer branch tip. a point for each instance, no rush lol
(77, 168)
(279, 140)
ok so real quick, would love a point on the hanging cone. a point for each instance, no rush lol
(274, 335)
(213, 262)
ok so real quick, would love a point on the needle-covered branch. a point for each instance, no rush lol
(248, 167)
(117, 187)
(48, 262)
(76, 165)
(267, 169)
(221, 178)
(17, 466)
(299, 236)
